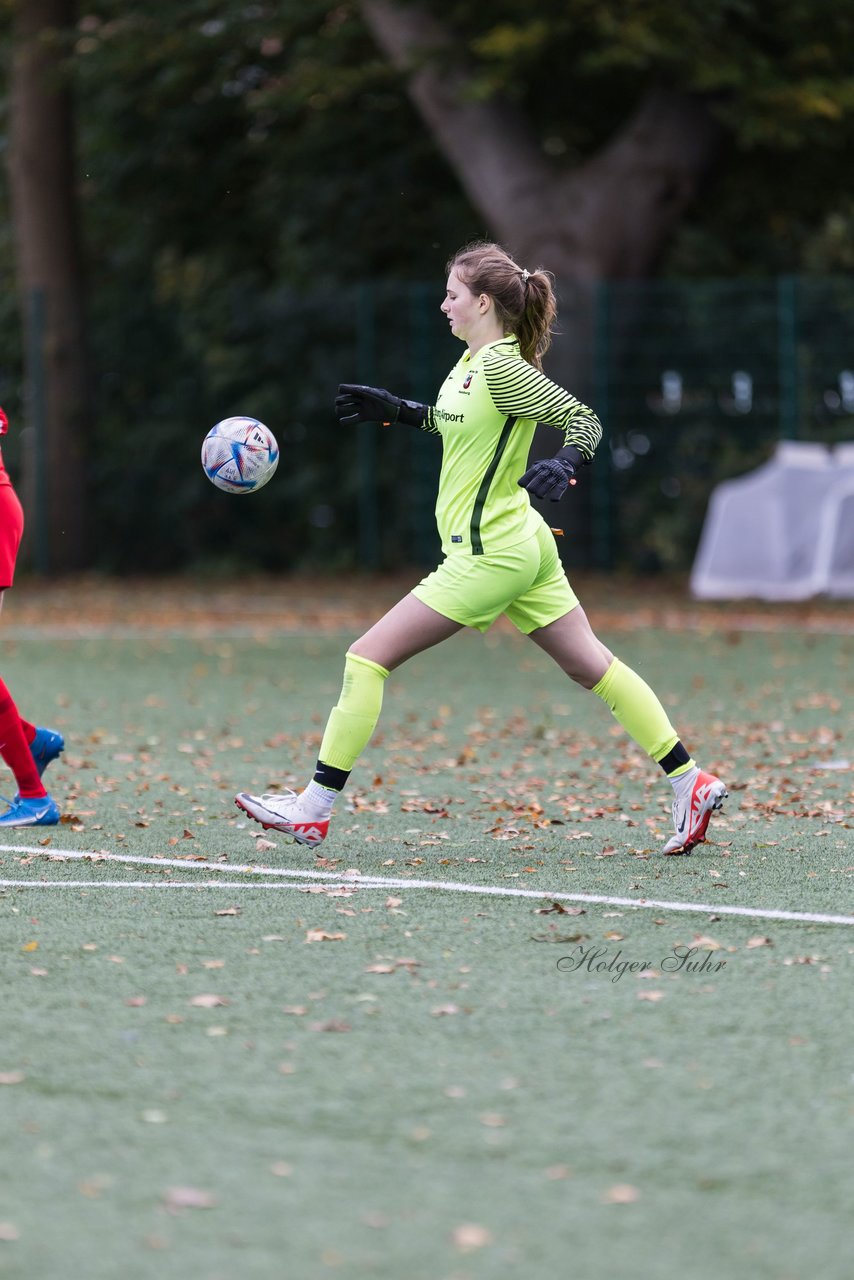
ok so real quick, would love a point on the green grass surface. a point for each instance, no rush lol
(430, 1095)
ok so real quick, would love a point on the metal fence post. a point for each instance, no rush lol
(368, 533)
(601, 469)
(37, 397)
(787, 356)
(421, 450)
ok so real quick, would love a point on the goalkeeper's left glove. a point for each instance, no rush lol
(550, 477)
(355, 403)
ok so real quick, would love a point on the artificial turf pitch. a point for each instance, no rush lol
(211, 1073)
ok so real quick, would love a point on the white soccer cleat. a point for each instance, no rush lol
(281, 811)
(691, 812)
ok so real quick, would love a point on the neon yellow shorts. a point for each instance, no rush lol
(527, 582)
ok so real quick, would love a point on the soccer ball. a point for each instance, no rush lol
(239, 455)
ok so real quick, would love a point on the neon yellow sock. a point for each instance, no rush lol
(352, 721)
(639, 711)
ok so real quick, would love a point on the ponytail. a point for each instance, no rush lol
(535, 326)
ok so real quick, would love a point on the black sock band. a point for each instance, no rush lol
(335, 779)
(676, 757)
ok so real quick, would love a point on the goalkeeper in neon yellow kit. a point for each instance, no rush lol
(499, 554)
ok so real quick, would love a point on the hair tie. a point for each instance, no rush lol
(525, 275)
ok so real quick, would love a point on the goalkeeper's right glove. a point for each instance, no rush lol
(355, 403)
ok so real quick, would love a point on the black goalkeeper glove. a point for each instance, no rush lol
(355, 403)
(550, 477)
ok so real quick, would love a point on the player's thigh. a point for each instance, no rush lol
(575, 647)
(11, 531)
(408, 628)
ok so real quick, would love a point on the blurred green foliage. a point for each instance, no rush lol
(247, 170)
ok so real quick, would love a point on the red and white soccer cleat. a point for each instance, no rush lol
(692, 810)
(281, 811)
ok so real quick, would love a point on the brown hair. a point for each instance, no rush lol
(524, 300)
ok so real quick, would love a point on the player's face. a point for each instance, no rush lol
(463, 308)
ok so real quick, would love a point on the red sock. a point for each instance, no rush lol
(15, 749)
(29, 729)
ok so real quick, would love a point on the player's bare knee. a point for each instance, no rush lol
(585, 678)
(589, 669)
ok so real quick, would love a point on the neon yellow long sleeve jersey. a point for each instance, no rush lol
(486, 413)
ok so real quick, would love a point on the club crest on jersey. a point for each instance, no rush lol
(467, 382)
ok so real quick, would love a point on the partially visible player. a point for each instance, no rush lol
(26, 749)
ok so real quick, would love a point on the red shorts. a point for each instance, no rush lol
(11, 529)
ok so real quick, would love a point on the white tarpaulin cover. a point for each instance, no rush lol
(784, 531)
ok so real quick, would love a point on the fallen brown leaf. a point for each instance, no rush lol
(557, 908)
(621, 1193)
(178, 1198)
(470, 1236)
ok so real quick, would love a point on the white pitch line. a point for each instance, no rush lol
(445, 886)
(161, 884)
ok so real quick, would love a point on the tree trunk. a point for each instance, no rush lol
(50, 280)
(607, 218)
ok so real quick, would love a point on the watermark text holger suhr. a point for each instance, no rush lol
(594, 959)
